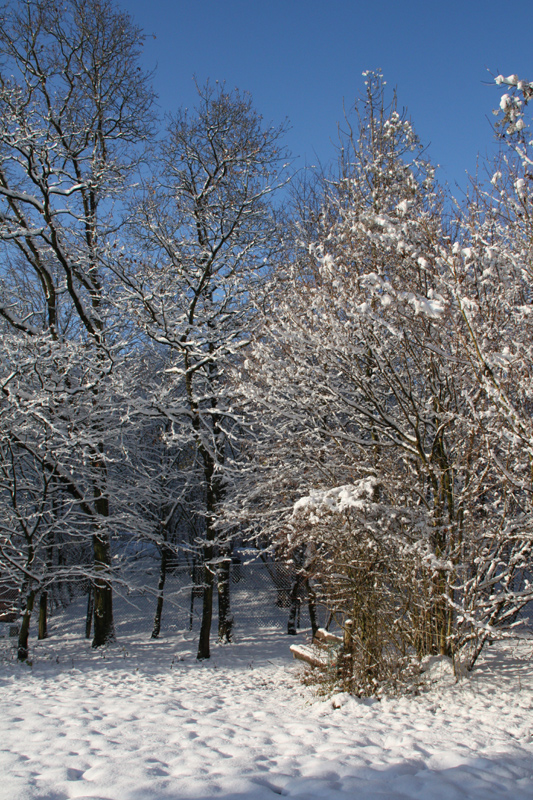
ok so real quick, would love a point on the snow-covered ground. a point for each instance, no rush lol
(144, 721)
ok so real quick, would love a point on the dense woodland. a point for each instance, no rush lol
(202, 347)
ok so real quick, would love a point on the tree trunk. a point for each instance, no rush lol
(439, 634)
(207, 607)
(213, 493)
(43, 616)
(160, 589)
(225, 619)
(295, 601)
(345, 665)
(311, 603)
(104, 629)
(90, 611)
(24, 632)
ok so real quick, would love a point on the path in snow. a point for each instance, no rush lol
(150, 723)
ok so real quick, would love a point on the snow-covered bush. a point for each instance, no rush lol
(368, 366)
(367, 569)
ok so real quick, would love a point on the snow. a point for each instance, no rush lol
(402, 208)
(339, 498)
(511, 80)
(431, 307)
(143, 720)
(505, 102)
(519, 186)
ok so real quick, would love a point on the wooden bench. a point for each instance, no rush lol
(319, 653)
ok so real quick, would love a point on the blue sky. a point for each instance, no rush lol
(301, 58)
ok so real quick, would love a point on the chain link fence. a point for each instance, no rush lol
(260, 597)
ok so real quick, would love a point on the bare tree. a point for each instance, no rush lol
(74, 109)
(208, 230)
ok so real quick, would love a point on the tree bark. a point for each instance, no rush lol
(90, 611)
(295, 602)
(104, 628)
(207, 607)
(225, 618)
(311, 603)
(213, 493)
(24, 632)
(43, 616)
(160, 590)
